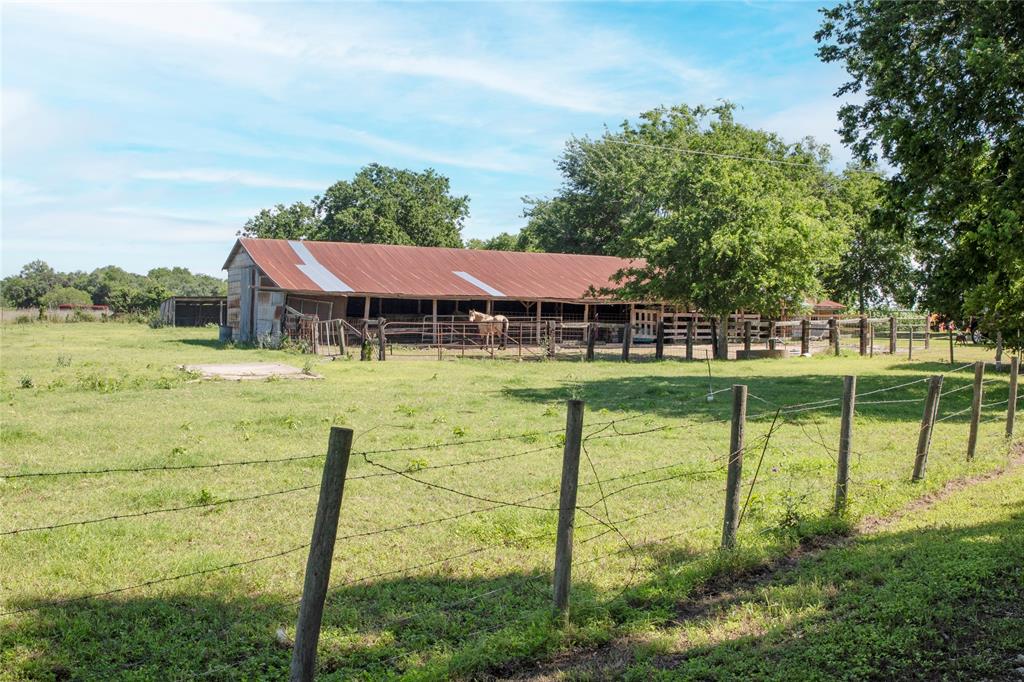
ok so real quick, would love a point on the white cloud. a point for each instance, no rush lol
(229, 177)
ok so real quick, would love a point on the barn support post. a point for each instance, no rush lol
(567, 507)
(381, 340)
(586, 312)
(924, 438)
(540, 306)
(845, 443)
(321, 553)
(366, 308)
(732, 486)
(805, 336)
(690, 328)
(979, 386)
(659, 343)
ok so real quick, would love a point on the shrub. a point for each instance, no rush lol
(79, 315)
(26, 382)
(155, 321)
(23, 319)
(64, 295)
(63, 360)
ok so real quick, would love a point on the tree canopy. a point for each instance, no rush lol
(39, 284)
(718, 232)
(380, 205)
(941, 96)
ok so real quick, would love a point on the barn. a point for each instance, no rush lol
(279, 287)
(272, 283)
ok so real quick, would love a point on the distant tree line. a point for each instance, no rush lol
(38, 284)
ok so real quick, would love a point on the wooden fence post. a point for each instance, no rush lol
(771, 335)
(924, 438)
(591, 340)
(979, 386)
(627, 340)
(927, 330)
(805, 337)
(910, 343)
(321, 552)
(845, 443)
(551, 339)
(381, 340)
(999, 351)
(892, 335)
(833, 334)
(567, 506)
(690, 327)
(951, 360)
(659, 341)
(732, 486)
(871, 339)
(746, 335)
(1011, 405)
(365, 350)
(863, 340)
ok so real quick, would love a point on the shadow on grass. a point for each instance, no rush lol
(205, 343)
(684, 396)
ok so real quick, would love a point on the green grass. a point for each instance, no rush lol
(110, 395)
(939, 595)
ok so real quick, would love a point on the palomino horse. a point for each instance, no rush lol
(489, 326)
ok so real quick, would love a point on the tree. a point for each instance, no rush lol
(27, 288)
(183, 282)
(381, 205)
(65, 295)
(941, 86)
(717, 232)
(499, 242)
(877, 265)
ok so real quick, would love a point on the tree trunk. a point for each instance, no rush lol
(723, 337)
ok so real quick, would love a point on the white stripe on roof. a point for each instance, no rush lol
(312, 268)
(477, 283)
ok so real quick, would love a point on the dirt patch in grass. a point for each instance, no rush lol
(250, 371)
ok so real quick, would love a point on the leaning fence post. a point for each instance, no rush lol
(732, 485)
(979, 386)
(567, 506)
(863, 341)
(892, 335)
(805, 336)
(659, 342)
(924, 438)
(1011, 405)
(382, 340)
(845, 443)
(690, 327)
(627, 340)
(321, 552)
(833, 334)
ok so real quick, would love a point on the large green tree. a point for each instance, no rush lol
(939, 89)
(380, 205)
(725, 216)
(877, 265)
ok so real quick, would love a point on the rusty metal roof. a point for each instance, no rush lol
(429, 272)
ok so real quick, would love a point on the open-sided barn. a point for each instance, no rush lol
(274, 285)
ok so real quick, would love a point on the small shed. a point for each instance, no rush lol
(194, 311)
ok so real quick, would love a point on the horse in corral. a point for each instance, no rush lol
(489, 326)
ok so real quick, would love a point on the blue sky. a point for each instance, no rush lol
(145, 134)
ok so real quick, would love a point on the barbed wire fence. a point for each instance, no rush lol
(599, 519)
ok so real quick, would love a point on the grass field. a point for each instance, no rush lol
(468, 596)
